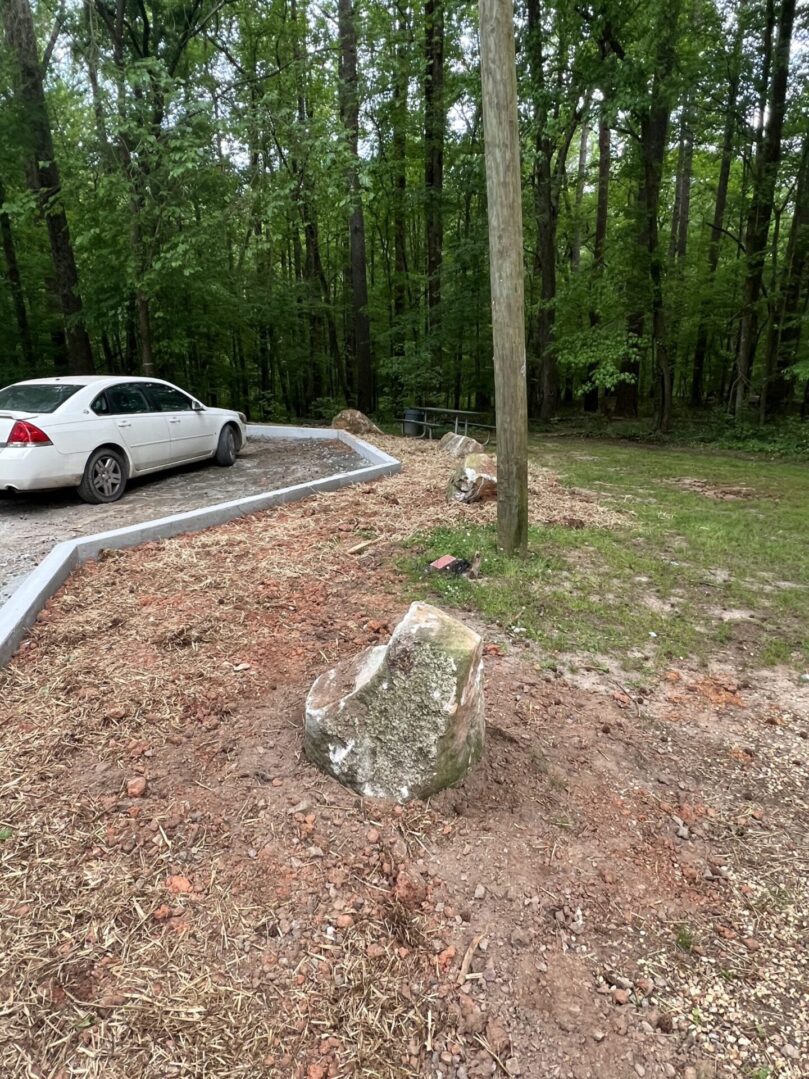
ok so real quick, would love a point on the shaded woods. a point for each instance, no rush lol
(282, 204)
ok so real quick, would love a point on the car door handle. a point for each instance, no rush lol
(174, 420)
(124, 423)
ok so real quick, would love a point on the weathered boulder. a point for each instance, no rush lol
(459, 445)
(356, 422)
(474, 480)
(406, 719)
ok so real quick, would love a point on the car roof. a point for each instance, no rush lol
(85, 380)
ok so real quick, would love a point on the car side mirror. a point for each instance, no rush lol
(198, 407)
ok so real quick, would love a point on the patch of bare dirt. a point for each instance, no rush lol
(717, 491)
(616, 891)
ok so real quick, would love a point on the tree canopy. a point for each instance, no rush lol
(282, 204)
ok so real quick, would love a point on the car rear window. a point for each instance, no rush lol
(28, 397)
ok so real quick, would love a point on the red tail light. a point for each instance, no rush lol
(26, 434)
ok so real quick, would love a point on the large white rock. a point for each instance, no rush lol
(459, 445)
(406, 719)
(474, 480)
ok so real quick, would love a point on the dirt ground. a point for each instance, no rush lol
(618, 890)
(31, 524)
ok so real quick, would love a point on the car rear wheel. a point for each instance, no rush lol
(104, 478)
(228, 447)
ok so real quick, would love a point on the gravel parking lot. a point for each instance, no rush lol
(31, 524)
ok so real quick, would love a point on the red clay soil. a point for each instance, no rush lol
(614, 892)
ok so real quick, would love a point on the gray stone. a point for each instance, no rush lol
(406, 719)
(356, 422)
(474, 480)
(459, 445)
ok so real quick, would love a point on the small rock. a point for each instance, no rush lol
(410, 889)
(497, 1037)
(136, 787)
(178, 884)
(665, 1023)
(751, 944)
(790, 1051)
(480, 892)
(640, 1071)
(620, 996)
(599, 1035)
(612, 977)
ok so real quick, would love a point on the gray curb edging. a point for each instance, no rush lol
(20, 611)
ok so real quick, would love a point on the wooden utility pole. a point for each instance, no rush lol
(503, 185)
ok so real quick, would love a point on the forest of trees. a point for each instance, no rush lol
(281, 204)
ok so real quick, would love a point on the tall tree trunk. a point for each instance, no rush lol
(682, 188)
(595, 395)
(654, 123)
(581, 178)
(550, 153)
(761, 206)
(15, 287)
(400, 191)
(789, 301)
(714, 242)
(679, 231)
(44, 180)
(434, 125)
(360, 333)
(603, 197)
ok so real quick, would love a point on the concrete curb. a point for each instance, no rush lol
(20, 611)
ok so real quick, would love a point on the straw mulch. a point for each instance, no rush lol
(234, 919)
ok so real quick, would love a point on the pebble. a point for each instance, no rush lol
(136, 787)
(480, 892)
(640, 1071)
(599, 1035)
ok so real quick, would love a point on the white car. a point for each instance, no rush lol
(94, 432)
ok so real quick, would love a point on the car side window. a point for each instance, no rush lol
(101, 405)
(125, 398)
(167, 399)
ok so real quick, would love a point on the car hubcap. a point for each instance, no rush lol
(107, 476)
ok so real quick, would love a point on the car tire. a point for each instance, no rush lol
(105, 476)
(227, 449)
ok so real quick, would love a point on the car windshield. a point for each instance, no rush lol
(35, 396)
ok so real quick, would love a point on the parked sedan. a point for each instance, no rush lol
(94, 432)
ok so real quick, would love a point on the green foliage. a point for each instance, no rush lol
(204, 169)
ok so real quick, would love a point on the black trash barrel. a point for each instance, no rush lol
(413, 426)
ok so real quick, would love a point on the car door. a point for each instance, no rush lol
(144, 430)
(193, 430)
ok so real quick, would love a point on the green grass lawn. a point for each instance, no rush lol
(685, 576)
